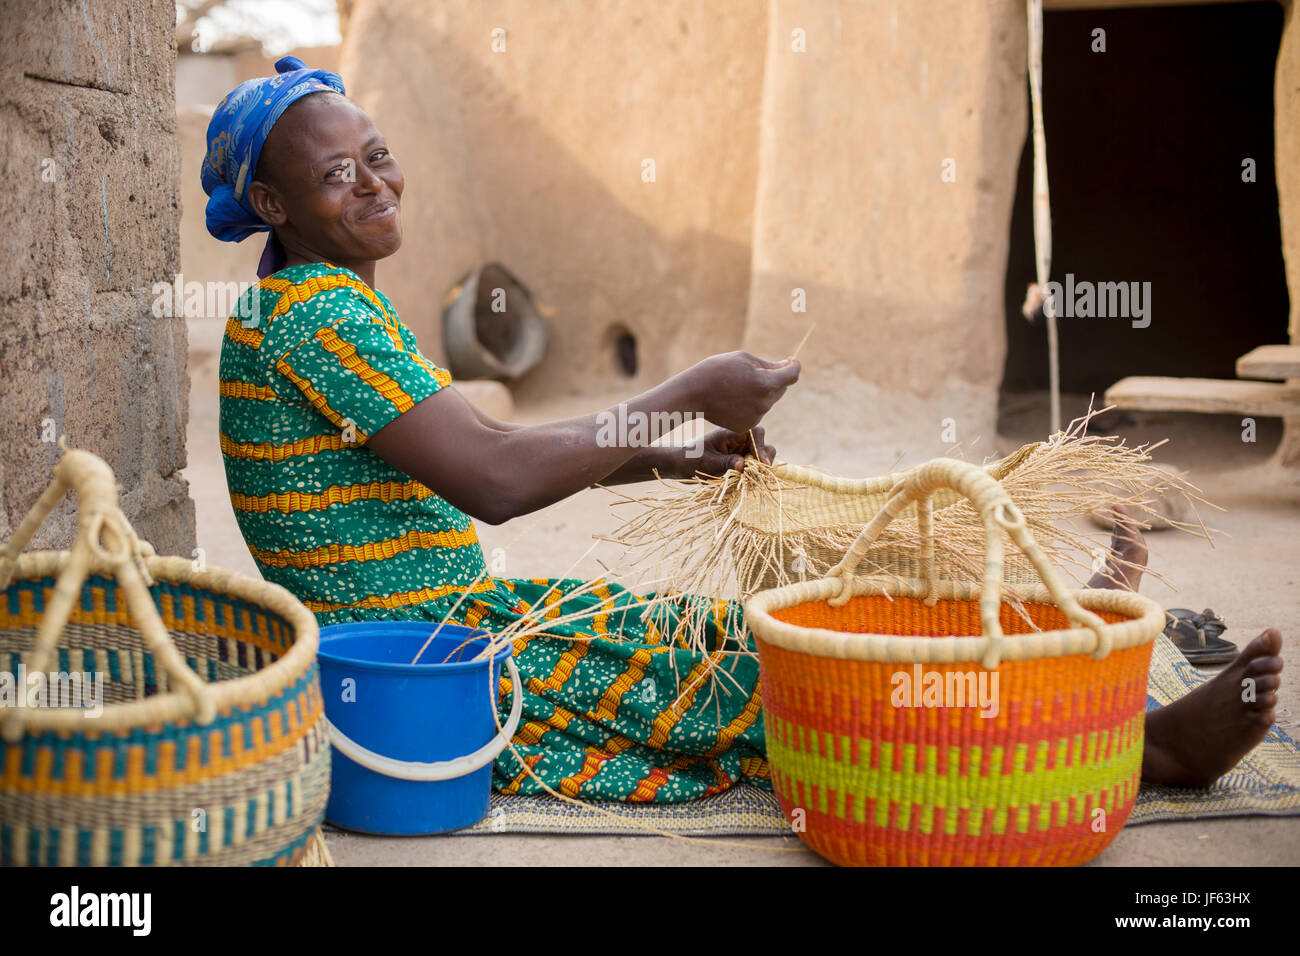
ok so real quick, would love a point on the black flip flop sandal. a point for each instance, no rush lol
(1197, 636)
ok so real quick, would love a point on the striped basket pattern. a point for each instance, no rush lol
(154, 779)
(935, 725)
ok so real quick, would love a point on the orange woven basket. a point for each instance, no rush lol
(935, 725)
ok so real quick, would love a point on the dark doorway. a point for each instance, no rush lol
(1145, 145)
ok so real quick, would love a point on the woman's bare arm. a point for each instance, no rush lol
(496, 472)
(486, 419)
(663, 460)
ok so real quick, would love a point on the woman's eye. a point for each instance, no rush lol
(378, 155)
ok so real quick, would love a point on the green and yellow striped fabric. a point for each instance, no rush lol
(624, 713)
(329, 365)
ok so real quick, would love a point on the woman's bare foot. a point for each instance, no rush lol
(1128, 554)
(1198, 738)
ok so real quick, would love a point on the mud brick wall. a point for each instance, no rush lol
(89, 202)
(525, 131)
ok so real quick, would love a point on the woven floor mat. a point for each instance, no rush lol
(1266, 782)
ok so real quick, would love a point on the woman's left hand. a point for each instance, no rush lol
(722, 450)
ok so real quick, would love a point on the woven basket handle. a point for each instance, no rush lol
(998, 513)
(103, 533)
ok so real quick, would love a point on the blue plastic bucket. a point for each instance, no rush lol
(413, 743)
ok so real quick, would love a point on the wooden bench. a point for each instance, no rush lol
(1209, 395)
(1270, 361)
(1220, 396)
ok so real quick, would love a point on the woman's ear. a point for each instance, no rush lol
(266, 202)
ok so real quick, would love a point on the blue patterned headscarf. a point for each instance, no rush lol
(239, 127)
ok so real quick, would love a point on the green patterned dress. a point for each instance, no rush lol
(626, 714)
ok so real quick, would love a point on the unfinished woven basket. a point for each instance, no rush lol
(815, 503)
(209, 748)
(1043, 771)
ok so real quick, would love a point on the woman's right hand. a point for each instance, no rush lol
(736, 389)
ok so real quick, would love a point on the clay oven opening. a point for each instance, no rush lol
(1151, 147)
(621, 343)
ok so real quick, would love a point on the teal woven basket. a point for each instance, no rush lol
(180, 719)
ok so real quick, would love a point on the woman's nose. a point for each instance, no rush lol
(368, 180)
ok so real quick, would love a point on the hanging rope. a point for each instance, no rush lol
(1037, 294)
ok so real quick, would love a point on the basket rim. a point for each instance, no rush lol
(1146, 620)
(177, 706)
(882, 484)
(815, 479)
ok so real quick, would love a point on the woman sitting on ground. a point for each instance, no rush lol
(355, 469)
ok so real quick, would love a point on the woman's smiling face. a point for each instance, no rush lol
(327, 184)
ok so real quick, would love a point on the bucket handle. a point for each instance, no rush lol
(442, 769)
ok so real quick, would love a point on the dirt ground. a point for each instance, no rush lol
(1249, 577)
